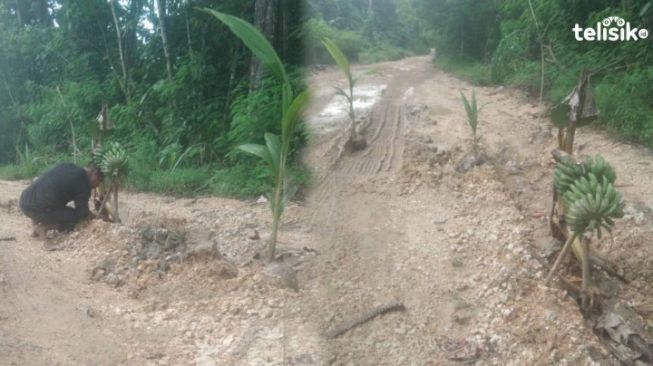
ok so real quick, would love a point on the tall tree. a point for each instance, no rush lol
(121, 52)
(266, 20)
(161, 15)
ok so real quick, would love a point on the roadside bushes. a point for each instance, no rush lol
(627, 105)
(350, 42)
(621, 71)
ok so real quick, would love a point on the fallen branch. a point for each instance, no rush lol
(339, 330)
(606, 265)
(8, 238)
(563, 253)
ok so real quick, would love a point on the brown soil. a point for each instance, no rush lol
(460, 239)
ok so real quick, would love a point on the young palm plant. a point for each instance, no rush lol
(472, 115)
(112, 161)
(356, 141)
(277, 148)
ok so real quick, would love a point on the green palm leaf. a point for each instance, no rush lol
(339, 57)
(471, 109)
(291, 116)
(274, 148)
(258, 150)
(255, 41)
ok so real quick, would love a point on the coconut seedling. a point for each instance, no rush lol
(471, 109)
(277, 148)
(356, 141)
(112, 161)
(591, 204)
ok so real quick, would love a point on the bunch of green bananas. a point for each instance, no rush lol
(589, 195)
(600, 168)
(567, 172)
(112, 160)
(593, 204)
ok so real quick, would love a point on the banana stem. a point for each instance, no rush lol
(116, 215)
(104, 202)
(586, 272)
(563, 253)
(561, 138)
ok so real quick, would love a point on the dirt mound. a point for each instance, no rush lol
(155, 249)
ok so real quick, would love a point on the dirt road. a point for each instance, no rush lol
(410, 219)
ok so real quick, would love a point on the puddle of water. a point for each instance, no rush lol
(334, 114)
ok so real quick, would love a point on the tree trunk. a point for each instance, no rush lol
(284, 29)
(188, 39)
(265, 19)
(19, 13)
(160, 13)
(43, 12)
(121, 52)
(131, 43)
(233, 68)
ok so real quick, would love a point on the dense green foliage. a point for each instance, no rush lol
(365, 30)
(182, 103)
(61, 60)
(503, 42)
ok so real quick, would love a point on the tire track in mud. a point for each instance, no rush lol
(382, 156)
(383, 152)
(351, 216)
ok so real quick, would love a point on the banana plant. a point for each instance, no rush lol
(112, 161)
(576, 110)
(343, 63)
(276, 150)
(471, 109)
(591, 204)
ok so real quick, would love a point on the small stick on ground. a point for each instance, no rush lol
(562, 254)
(339, 330)
(8, 238)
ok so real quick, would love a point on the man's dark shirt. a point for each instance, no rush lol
(58, 186)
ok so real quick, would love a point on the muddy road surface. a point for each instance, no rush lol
(461, 242)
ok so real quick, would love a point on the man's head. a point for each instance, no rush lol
(95, 175)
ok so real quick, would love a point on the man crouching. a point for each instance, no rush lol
(46, 200)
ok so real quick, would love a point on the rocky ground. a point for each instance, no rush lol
(460, 239)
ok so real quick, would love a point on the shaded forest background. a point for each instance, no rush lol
(182, 91)
(507, 42)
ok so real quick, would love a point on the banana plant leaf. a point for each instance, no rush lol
(565, 112)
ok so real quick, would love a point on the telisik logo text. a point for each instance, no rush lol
(606, 31)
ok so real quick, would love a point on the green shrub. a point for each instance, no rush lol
(240, 181)
(183, 181)
(350, 42)
(626, 105)
(474, 72)
(382, 52)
